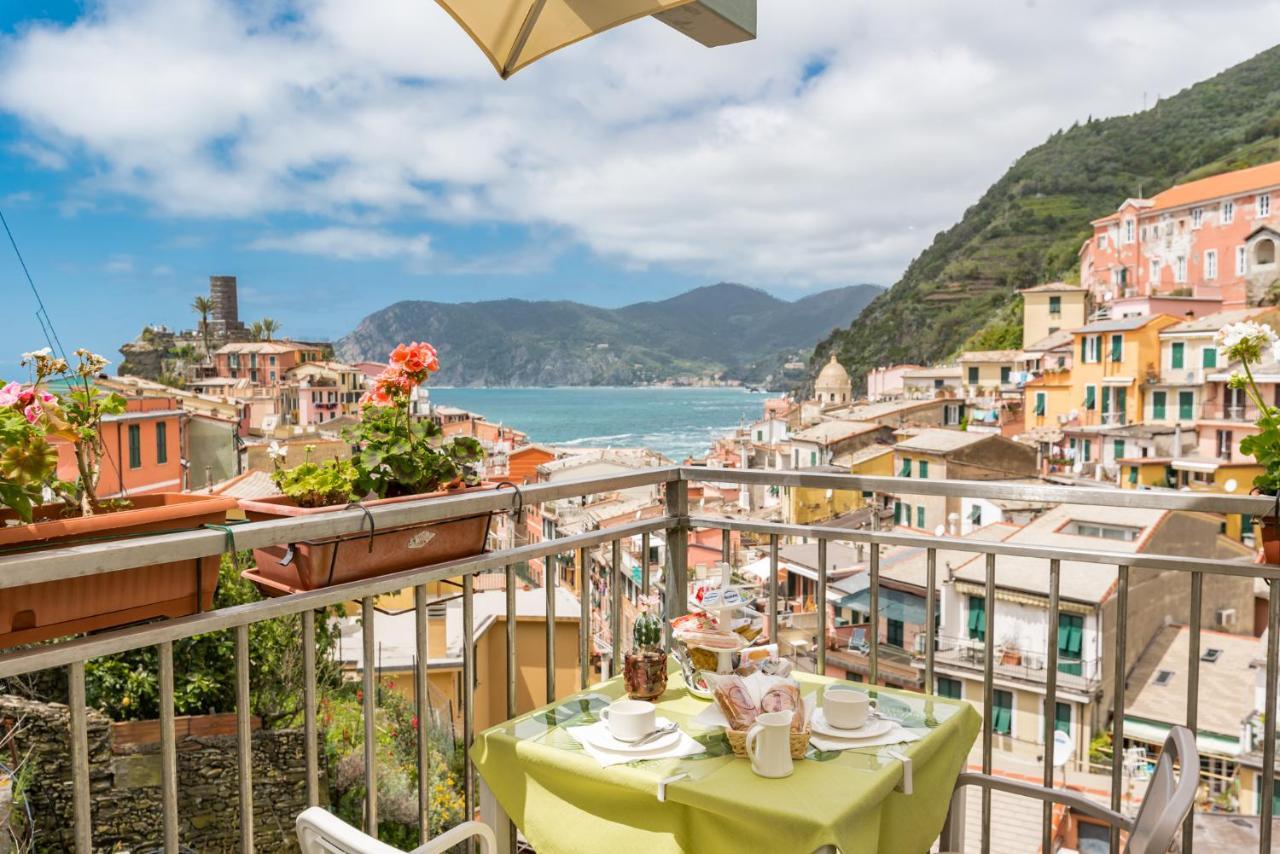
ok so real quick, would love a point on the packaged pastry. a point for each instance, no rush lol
(785, 697)
(735, 701)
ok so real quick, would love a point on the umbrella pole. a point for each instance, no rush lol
(522, 37)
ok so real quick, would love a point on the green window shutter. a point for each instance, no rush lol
(1084, 348)
(1120, 395)
(1177, 354)
(1002, 712)
(920, 517)
(973, 376)
(1004, 375)
(1040, 403)
(1090, 396)
(897, 512)
(1186, 405)
(1118, 448)
(894, 633)
(1158, 405)
(135, 446)
(1088, 450)
(1055, 305)
(162, 442)
(1117, 348)
(1246, 525)
(1070, 643)
(1062, 717)
(1133, 474)
(949, 688)
(924, 469)
(906, 467)
(813, 458)
(977, 618)
(1209, 357)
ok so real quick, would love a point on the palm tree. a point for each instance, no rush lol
(255, 330)
(203, 306)
(269, 327)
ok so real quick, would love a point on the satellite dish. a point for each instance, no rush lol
(939, 531)
(1231, 485)
(1062, 748)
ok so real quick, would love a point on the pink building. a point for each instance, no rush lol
(887, 382)
(1214, 239)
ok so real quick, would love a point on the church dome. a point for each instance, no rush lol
(833, 384)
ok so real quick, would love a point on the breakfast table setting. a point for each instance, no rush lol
(745, 755)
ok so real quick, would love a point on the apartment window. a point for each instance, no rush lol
(135, 446)
(975, 515)
(1211, 264)
(1117, 348)
(1091, 348)
(1180, 268)
(920, 516)
(1228, 213)
(813, 458)
(1040, 403)
(1186, 405)
(1197, 217)
(1090, 397)
(923, 465)
(1224, 444)
(1002, 712)
(1062, 717)
(977, 618)
(1128, 231)
(1102, 241)
(1176, 355)
(162, 442)
(1158, 405)
(1088, 450)
(1242, 260)
(1098, 530)
(759, 435)
(271, 359)
(950, 688)
(1055, 306)
(893, 633)
(1209, 357)
(906, 467)
(1133, 474)
(1117, 449)
(1005, 374)
(1264, 204)
(1070, 643)
(1155, 269)
(973, 376)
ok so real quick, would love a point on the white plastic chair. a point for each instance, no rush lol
(322, 832)
(1164, 808)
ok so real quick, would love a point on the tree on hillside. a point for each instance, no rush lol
(203, 306)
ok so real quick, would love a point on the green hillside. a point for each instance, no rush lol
(1028, 227)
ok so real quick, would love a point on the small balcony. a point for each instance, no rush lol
(492, 682)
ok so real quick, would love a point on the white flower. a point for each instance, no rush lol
(31, 357)
(276, 451)
(1246, 341)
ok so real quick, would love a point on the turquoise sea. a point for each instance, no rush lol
(677, 422)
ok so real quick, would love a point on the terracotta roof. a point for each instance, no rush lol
(1237, 183)
(1119, 324)
(1052, 341)
(1214, 322)
(262, 347)
(1226, 684)
(990, 356)
(828, 432)
(941, 441)
(1051, 287)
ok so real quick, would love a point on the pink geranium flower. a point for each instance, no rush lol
(9, 394)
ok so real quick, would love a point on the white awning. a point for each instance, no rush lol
(1207, 466)
(1117, 380)
(1206, 742)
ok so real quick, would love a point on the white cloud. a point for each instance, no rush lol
(348, 244)
(120, 265)
(639, 144)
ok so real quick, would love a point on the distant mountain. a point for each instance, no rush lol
(728, 329)
(1028, 227)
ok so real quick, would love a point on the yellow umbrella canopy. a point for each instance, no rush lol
(514, 33)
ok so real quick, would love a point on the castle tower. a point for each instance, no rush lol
(224, 322)
(833, 384)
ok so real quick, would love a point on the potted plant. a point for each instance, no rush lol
(401, 458)
(41, 510)
(1248, 343)
(644, 669)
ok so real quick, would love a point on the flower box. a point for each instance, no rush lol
(37, 612)
(312, 564)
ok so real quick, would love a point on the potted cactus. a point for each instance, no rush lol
(644, 668)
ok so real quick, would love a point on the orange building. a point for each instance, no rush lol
(144, 447)
(523, 462)
(1215, 238)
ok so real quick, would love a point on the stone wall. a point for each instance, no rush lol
(125, 782)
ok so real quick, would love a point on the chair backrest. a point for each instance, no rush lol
(1167, 802)
(321, 832)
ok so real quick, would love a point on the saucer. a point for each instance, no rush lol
(873, 728)
(600, 738)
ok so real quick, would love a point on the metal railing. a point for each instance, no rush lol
(674, 525)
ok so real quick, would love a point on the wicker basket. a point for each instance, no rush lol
(738, 741)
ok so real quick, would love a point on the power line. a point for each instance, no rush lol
(42, 314)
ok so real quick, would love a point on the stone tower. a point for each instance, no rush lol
(224, 322)
(833, 384)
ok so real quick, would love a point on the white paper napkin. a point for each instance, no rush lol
(686, 746)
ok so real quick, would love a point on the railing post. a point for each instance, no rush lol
(1051, 698)
(644, 563)
(952, 838)
(676, 582)
(81, 806)
(421, 689)
(820, 664)
(244, 739)
(873, 631)
(773, 592)
(584, 617)
(168, 751)
(988, 696)
(1193, 691)
(1269, 719)
(549, 588)
(1117, 700)
(615, 608)
(931, 624)
(468, 689)
(311, 749)
(370, 687)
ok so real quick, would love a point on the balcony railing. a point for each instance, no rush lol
(1082, 675)
(675, 525)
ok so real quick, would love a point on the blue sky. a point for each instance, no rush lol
(338, 156)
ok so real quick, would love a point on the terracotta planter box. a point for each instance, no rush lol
(37, 612)
(1270, 539)
(336, 560)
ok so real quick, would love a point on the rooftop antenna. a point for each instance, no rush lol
(42, 314)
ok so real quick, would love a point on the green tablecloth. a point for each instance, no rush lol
(563, 801)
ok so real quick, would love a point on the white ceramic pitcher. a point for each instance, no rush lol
(769, 744)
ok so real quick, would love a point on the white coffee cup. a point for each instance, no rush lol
(844, 707)
(630, 720)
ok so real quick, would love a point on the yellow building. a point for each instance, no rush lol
(1049, 308)
(1048, 400)
(1112, 360)
(984, 373)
